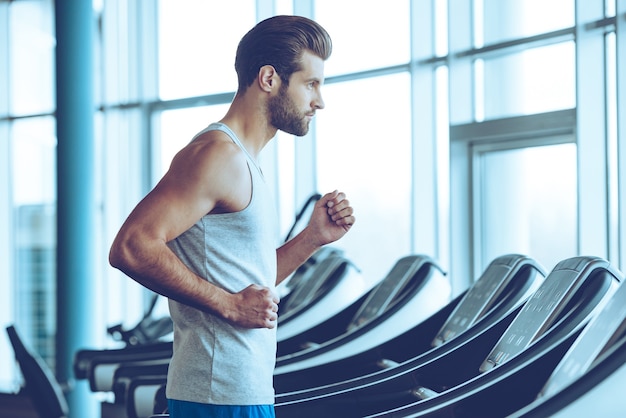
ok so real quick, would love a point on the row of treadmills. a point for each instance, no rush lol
(517, 343)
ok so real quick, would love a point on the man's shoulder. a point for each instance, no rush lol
(214, 167)
(214, 147)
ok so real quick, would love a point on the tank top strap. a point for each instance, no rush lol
(224, 128)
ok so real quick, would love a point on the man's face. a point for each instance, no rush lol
(293, 107)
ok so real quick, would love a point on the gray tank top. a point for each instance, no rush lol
(215, 362)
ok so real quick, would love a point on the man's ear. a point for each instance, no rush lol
(268, 78)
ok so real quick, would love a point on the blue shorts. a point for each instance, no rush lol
(184, 409)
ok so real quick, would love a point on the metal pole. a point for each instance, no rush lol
(75, 188)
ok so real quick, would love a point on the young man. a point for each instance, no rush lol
(205, 236)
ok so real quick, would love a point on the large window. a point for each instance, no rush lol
(29, 299)
(462, 134)
(28, 145)
(542, 105)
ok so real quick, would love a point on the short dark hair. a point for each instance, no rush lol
(279, 41)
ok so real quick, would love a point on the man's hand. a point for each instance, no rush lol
(254, 307)
(332, 218)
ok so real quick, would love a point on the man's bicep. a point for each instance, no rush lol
(170, 209)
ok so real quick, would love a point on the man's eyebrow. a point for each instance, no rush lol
(315, 80)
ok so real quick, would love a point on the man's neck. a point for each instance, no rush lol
(248, 120)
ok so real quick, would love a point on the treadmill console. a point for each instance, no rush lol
(599, 335)
(303, 273)
(382, 296)
(312, 280)
(543, 308)
(484, 294)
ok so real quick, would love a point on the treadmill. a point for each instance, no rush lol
(98, 366)
(581, 382)
(326, 284)
(500, 291)
(549, 321)
(414, 289)
(590, 377)
(600, 392)
(39, 389)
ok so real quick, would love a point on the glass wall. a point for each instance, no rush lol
(542, 75)
(28, 145)
(433, 119)
(523, 197)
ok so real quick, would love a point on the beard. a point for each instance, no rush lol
(285, 116)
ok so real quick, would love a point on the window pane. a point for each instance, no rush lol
(31, 57)
(34, 161)
(376, 36)
(612, 143)
(533, 81)
(8, 382)
(197, 44)
(35, 278)
(34, 205)
(177, 127)
(528, 203)
(367, 154)
(509, 19)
